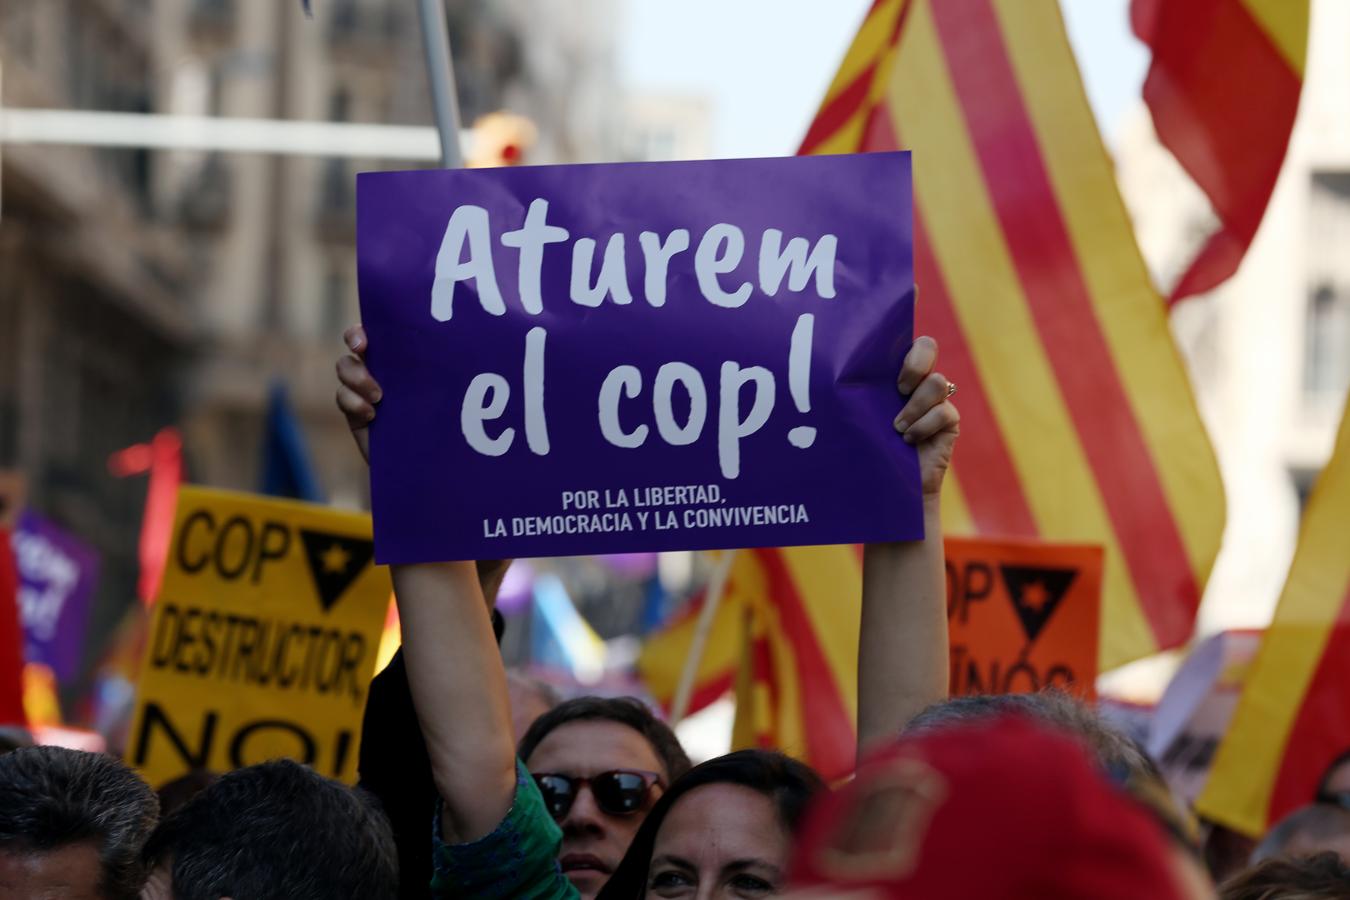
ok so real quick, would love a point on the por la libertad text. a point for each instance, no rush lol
(466, 254)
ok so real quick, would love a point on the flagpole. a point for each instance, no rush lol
(717, 587)
(441, 77)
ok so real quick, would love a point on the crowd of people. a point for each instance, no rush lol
(475, 784)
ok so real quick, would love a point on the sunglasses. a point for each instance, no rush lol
(621, 792)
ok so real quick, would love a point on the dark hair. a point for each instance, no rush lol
(1321, 877)
(790, 784)
(173, 794)
(628, 711)
(51, 797)
(277, 831)
(1317, 821)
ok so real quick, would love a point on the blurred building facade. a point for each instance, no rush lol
(171, 288)
(277, 234)
(658, 126)
(94, 314)
(1269, 351)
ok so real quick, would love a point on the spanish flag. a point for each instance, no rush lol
(1078, 419)
(785, 636)
(1223, 89)
(1293, 720)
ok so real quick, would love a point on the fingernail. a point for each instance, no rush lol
(909, 438)
(905, 387)
(354, 342)
(379, 395)
(900, 424)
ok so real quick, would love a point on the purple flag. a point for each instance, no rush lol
(57, 573)
(636, 357)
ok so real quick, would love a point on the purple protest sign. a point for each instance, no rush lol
(636, 357)
(57, 573)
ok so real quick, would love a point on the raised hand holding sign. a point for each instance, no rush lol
(723, 375)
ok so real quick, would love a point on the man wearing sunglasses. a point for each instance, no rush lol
(600, 763)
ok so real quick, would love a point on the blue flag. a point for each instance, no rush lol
(286, 467)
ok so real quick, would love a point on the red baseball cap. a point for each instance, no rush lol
(985, 811)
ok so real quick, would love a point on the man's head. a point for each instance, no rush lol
(275, 831)
(72, 825)
(994, 808)
(1123, 761)
(583, 743)
(1318, 828)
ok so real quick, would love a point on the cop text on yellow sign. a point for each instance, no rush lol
(263, 639)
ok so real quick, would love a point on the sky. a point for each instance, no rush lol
(765, 64)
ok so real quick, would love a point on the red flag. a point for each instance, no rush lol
(1080, 423)
(786, 637)
(11, 638)
(1223, 90)
(1292, 724)
(162, 458)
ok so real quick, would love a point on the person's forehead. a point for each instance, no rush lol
(1305, 844)
(717, 823)
(72, 872)
(1338, 778)
(587, 747)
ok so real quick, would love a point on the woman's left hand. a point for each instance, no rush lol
(930, 421)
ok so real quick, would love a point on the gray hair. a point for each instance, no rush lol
(1114, 752)
(51, 797)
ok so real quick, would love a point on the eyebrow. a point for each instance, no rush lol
(675, 861)
(736, 865)
(740, 865)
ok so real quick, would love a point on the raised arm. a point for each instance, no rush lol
(455, 672)
(458, 687)
(902, 644)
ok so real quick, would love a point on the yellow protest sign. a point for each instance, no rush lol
(263, 639)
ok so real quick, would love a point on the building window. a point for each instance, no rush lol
(1326, 342)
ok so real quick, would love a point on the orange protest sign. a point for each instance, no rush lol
(1023, 616)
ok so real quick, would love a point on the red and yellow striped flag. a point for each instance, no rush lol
(1223, 90)
(1078, 419)
(1293, 719)
(785, 635)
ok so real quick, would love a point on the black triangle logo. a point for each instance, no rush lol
(1036, 594)
(335, 561)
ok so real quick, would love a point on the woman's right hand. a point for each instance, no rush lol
(358, 394)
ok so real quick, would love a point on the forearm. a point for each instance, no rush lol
(902, 644)
(458, 686)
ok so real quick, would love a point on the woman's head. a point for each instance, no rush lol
(722, 830)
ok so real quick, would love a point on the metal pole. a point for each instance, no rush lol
(441, 76)
(717, 587)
